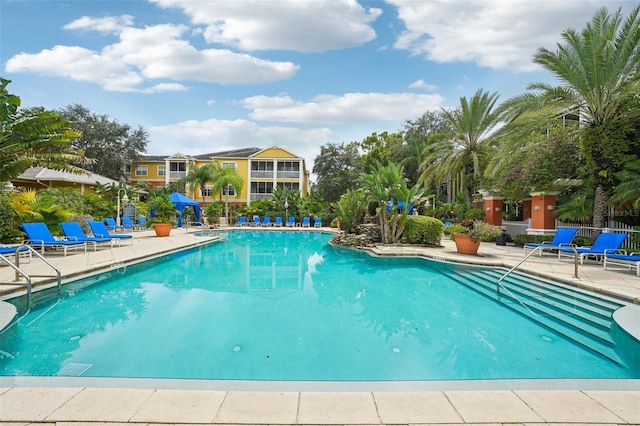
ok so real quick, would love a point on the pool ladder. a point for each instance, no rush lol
(24, 279)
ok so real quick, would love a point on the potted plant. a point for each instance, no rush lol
(164, 215)
(468, 238)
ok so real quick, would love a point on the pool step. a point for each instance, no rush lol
(578, 316)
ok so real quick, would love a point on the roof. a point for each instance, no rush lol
(233, 153)
(44, 174)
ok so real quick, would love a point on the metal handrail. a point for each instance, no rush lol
(499, 282)
(21, 273)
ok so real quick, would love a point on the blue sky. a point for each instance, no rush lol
(204, 76)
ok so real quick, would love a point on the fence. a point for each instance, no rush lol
(631, 243)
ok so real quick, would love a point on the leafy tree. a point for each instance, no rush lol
(336, 169)
(417, 134)
(224, 178)
(32, 206)
(350, 209)
(33, 137)
(200, 177)
(291, 197)
(465, 149)
(113, 145)
(387, 187)
(535, 163)
(599, 72)
(377, 148)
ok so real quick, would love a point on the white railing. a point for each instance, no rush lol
(261, 175)
(177, 175)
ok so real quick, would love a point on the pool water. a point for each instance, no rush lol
(287, 306)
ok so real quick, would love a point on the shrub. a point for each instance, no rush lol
(422, 230)
(455, 228)
(474, 214)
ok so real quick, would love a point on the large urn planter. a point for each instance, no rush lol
(465, 244)
(162, 229)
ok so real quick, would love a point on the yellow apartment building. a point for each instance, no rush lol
(262, 170)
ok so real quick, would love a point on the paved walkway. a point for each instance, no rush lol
(69, 401)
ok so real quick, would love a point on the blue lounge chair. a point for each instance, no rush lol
(278, 221)
(256, 221)
(317, 222)
(607, 242)
(306, 222)
(99, 230)
(8, 251)
(112, 225)
(266, 221)
(242, 221)
(73, 231)
(291, 221)
(38, 235)
(627, 260)
(142, 221)
(126, 223)
(563, 237)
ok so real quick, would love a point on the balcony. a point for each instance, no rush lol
(288, 175)
(256, 197)
(262, 174)
(177, 175)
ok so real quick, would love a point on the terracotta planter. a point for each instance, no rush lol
(465, 244)
(162, 229)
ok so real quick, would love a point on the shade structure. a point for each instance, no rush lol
(182, 201)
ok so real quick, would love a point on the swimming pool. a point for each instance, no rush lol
(287, 306)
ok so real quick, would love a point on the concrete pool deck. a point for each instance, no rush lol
(69, 401)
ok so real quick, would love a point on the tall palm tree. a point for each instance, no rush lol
(224, 178)
(464, 150)
(33, 137)
(599, 71)
(200, 177)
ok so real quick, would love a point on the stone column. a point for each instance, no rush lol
(493, 210)
(543, 218)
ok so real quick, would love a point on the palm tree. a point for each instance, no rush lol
(33, 137)
(464, 150)
(387, 187)
(200, 177)
(600, 73)
(224, 178)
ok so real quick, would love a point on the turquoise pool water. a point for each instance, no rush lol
(287, 306)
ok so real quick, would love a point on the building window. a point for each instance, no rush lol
(128, 169)
(206, 191)
(178, 167)
(294, 186)
(288, 166)
(229, 190)
(261, 187)
(142, 171)
(232, 165)
(262, 166)
(162, 170)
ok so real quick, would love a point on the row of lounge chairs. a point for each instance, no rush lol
(606, 247)
(291, 221)
(39, 236)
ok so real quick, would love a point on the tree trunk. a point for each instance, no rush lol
(599, 210)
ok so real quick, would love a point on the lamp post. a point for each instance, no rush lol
(286, 209)
(427, 204)
(125, 200)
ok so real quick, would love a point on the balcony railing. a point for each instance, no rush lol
(256, 197)
(288, 175)
(262, 174)
(177, 175)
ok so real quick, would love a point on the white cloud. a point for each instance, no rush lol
(165, 87)
(498, 34)
(106, 25)
(298, 25)
(78, 64)
(347, 108)
(420, 84)
(155, 52)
